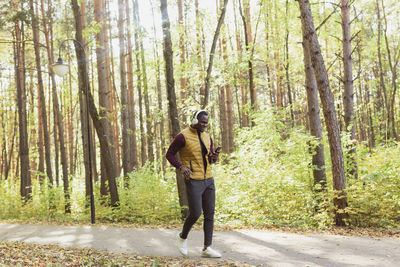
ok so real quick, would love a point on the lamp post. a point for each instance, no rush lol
(60, 68)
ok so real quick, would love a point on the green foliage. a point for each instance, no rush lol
(149, 199)
(269, 181)
(374, 199)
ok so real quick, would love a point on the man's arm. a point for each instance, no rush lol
(177, 144)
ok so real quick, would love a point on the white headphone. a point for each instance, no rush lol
(195, 120)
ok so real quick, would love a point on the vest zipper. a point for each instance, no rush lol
(204, 168)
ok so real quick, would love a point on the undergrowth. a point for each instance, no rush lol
(266, 181)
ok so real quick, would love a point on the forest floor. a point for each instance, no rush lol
(80, 245)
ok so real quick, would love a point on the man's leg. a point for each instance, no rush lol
(208, 201)
(194, 191)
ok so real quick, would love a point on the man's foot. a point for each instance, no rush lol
(181, 245)
(210, 253)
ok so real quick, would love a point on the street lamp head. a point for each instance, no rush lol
(60, 68)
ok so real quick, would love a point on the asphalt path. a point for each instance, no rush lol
(266, 248)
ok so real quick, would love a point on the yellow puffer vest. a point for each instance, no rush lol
(191, 155)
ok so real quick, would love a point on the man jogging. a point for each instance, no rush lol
(196, 152)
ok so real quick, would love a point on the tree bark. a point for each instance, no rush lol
(112, 86)
(7, 161)
(228, 103)
(143, 154)
(243, 117)
(289, 91)
(40, 141)
(199, 55)
(19, 64)
(348, 94)
(104, 87)
(339, 178)
(371, 131)
(126, 156)
(223, 120)
(82, 114)
(170, 83)
(46, 136)
(225, 102)
(160, 117)
(318, 158)
(248, 38)
(131, 96)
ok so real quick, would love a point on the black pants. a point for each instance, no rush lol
(201, 196)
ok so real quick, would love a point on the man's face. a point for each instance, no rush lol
(202, 124)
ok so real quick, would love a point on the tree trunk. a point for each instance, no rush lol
(11, 150)
(173, 112)
(143, 153)
(160, 117)
(19, 64)
(371, 132)
(318, 158)
(268, 61)
(131, 96)
(149, 134)
(225, 102)
(106, 151)
(41, 93)
(393, 62)
(126, 156)
(211, 56)
(348, 94)
(222, 119)
(182, 79)
(228, 102)
(381, 72)
(289, 91)
(56, 144)
(248, 38)
(112, 86)
(104, 87)
(58, 116)
(84, 134)
(40, 141)
(339, 178)
(243, 117)
(199, 55)
(71, 111)
(83, 116)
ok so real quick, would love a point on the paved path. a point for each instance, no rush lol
(252, 247)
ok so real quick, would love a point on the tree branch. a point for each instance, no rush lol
(326, 19)
(211, 56)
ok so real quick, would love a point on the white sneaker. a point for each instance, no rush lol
(181, 245)
(210, 253)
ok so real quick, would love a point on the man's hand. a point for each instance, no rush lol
(214, 156)
(186, 172)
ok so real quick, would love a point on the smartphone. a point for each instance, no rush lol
(218, 149)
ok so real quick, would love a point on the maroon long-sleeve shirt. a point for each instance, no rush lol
(177, 144)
